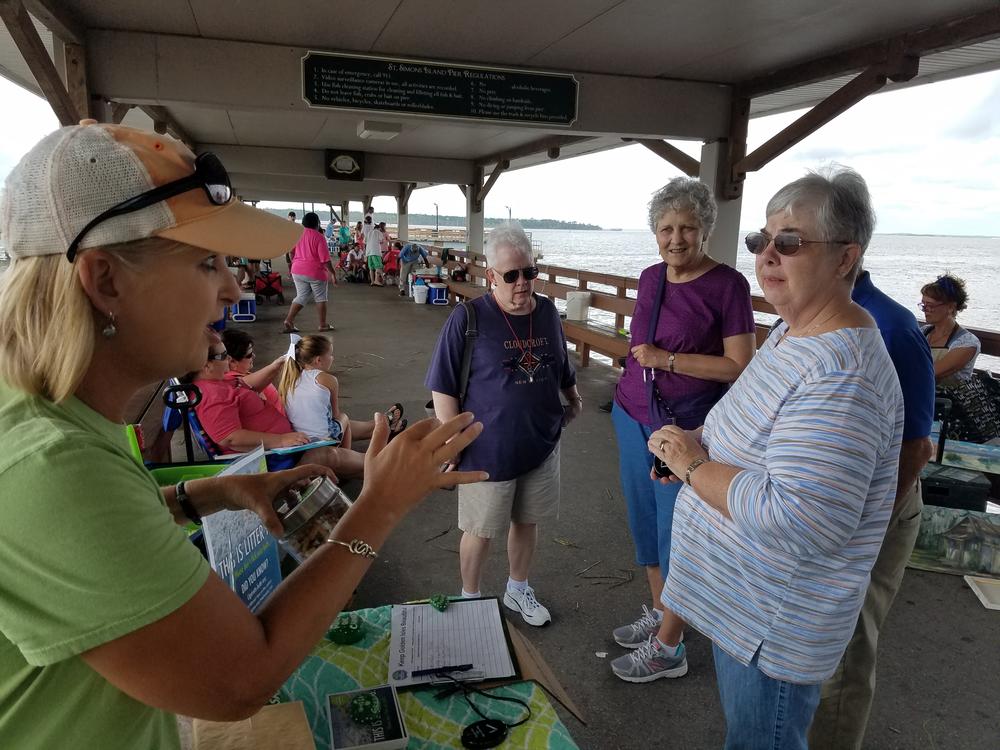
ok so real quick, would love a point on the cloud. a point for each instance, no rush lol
(982, 122)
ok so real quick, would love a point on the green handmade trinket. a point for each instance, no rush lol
(365, 708)
(348, 629)
(439, 602)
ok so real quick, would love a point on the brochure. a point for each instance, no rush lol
(366, 719)
(240, 549)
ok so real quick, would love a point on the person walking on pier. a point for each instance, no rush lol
(692, 335)
(519, 368)
(373, 251)
(789, 487)
(312, 272)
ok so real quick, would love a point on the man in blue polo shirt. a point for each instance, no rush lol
(846, 699)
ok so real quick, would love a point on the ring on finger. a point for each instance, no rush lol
(662, 443)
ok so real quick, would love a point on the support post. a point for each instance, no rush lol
(474, 220)
(403, 210)
(723, 245)
(76, 78)
(345, 212)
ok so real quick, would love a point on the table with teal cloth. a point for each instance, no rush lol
(431, 723)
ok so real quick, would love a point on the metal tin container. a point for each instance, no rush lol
(310, 515)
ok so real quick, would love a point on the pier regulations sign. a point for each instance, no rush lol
(415, 87)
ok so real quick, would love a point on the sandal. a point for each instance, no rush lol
(285, 328)
(392, 433)
(326, 328)
(393, 414)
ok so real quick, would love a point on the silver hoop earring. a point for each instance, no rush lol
(110, 329)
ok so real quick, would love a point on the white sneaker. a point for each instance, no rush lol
(531, 611)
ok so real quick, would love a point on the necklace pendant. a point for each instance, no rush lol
(531, 378)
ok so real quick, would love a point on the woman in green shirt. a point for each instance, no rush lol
(111, 621)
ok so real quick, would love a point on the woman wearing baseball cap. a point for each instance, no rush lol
(111, 621)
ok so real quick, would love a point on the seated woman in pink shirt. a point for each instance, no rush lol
(239, 419)
(239, 346)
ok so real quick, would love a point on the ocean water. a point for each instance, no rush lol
(899, 265)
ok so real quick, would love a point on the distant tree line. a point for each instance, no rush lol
(444, 221)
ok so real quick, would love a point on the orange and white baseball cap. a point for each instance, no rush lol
(76, 173)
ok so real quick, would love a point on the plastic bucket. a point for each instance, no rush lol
(438, 294)
(420, 294)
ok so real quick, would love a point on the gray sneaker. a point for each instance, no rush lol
(637, 633)
(649, 662)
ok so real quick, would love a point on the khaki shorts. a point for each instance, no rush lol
(485, 509)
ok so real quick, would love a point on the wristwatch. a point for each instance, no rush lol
(691, 468)
(670, 361)
(185, 504)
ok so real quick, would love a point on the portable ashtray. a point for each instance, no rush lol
(310, 515)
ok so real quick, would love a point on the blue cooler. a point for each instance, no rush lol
(438, 294)
(245, 311)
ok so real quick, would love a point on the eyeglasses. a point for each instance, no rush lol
(529, 273)
(209, 174)
(212, 357)
(926, 306)
(786, 243)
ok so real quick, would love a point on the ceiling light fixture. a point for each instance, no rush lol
(379, 131)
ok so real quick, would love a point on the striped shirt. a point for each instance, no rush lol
(815, 423)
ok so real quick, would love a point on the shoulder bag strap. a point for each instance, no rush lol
(654, 315)
(471, 334)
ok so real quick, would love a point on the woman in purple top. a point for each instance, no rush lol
(703, 338)
(312, 271)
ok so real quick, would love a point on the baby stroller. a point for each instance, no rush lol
(268, 284)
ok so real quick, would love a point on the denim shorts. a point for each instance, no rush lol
(650, 504)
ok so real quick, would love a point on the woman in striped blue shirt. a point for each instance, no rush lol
(789, 487)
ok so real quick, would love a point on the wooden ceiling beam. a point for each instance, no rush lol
(840, 101)
(669, 152)
(938, 38)
(494, 176)
(55, 18)
(29, 43)
(530, 149)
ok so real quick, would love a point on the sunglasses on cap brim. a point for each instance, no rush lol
(209, 174)
(529, 273)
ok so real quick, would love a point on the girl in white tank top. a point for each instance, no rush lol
(310, 395)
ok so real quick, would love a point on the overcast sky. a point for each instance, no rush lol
(931, 155)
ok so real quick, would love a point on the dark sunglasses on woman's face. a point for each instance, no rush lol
(529, 273)
(218, 357)
(209, 174)
(786, 243)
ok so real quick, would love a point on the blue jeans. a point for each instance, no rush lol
(762, 713)
(650, 504)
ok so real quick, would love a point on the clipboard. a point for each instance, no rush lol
(475, 639)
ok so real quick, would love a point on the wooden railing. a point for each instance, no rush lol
(556, 281)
